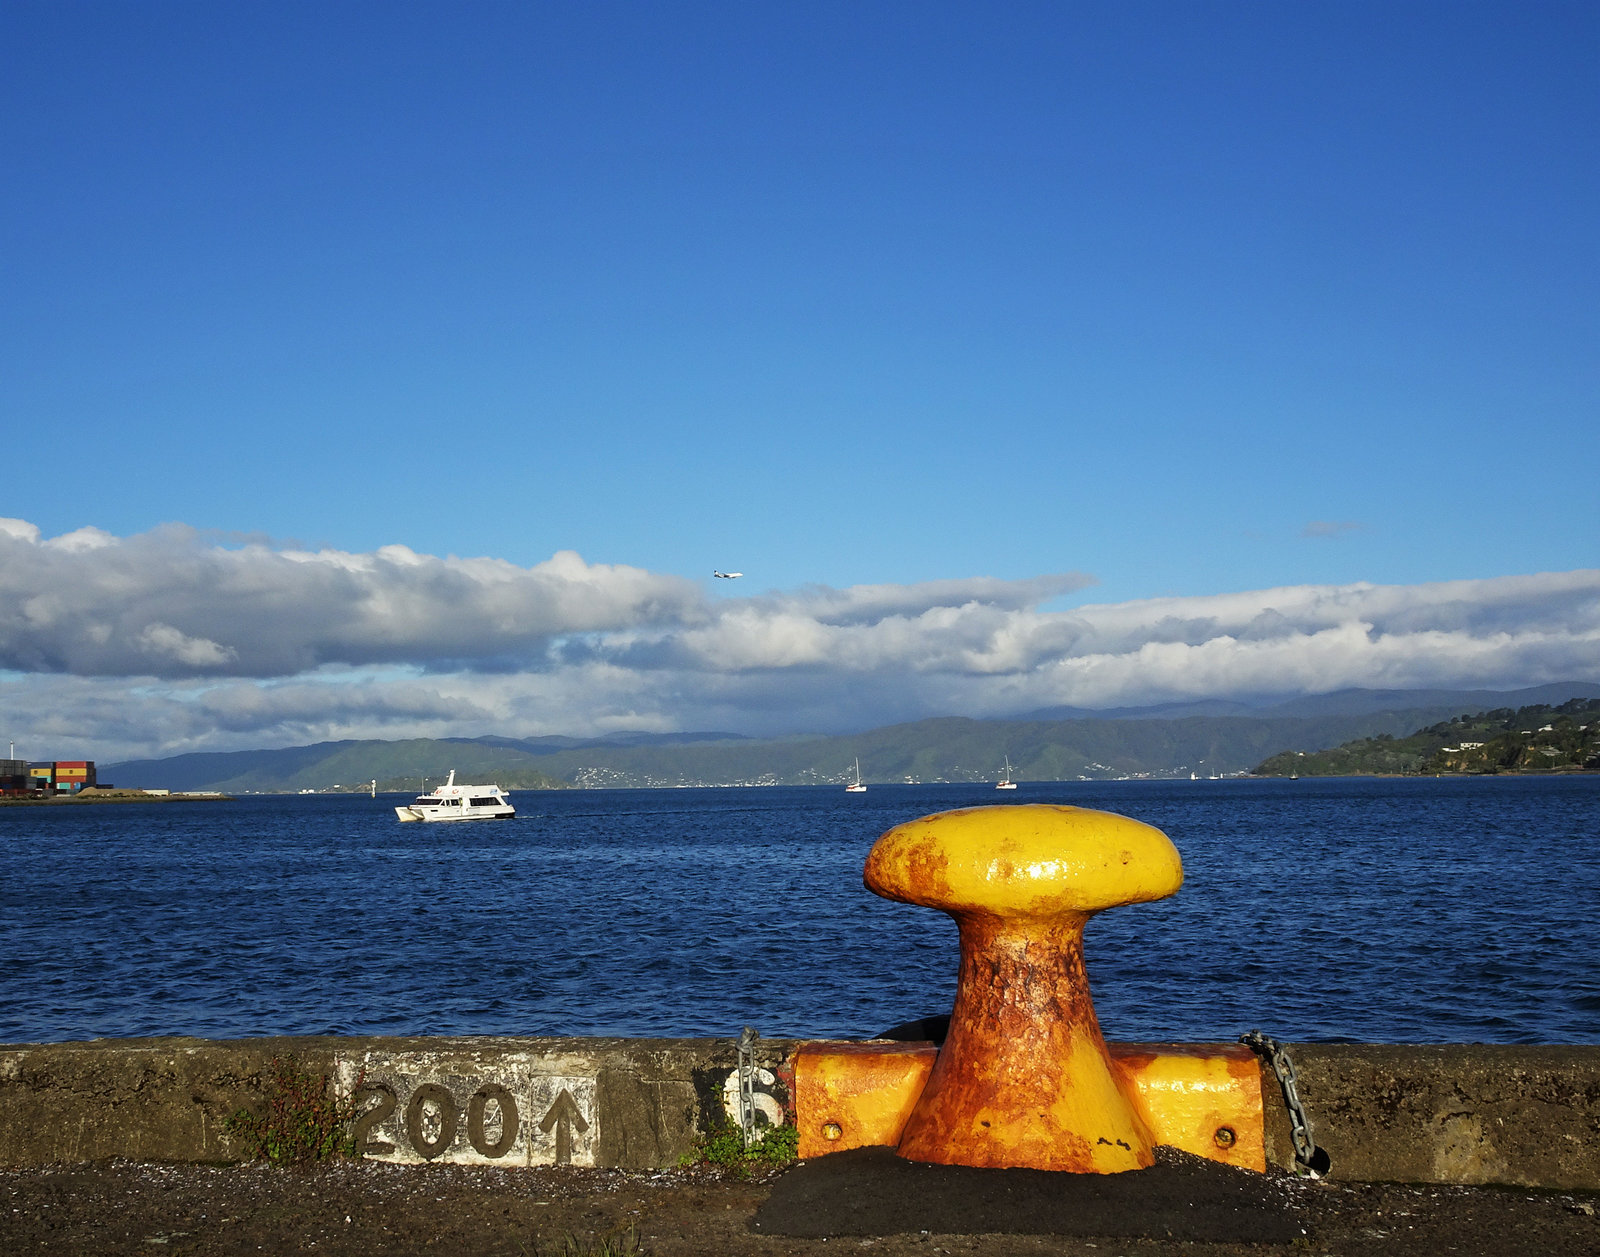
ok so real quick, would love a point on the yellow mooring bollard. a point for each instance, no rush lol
(1024, 1078)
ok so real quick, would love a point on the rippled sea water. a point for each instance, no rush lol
(1384, 911)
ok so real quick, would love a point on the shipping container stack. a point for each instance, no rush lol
(13, 776)
(72, 775)
(42, 778)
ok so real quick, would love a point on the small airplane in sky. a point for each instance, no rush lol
(728, 575)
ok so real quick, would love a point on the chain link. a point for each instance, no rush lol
(1305, 1148)
(747, 1083)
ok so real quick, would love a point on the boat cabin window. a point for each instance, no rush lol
(491, 801)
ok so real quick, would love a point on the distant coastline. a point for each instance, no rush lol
(1313, 776)
(95, 794)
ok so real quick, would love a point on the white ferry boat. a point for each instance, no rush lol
(451, 802)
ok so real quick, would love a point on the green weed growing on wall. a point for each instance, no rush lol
(303, 1121)
(725, 1147)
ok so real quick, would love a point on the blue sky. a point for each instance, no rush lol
(1187, 299)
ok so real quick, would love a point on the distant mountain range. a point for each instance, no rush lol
(1053, 744)
(1339, 703)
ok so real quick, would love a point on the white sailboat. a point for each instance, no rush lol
(857, 786)
(1005, 782)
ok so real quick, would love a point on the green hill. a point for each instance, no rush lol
(1536, 739)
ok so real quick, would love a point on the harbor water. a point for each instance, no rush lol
(1414, 911)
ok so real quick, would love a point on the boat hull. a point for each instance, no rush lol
(455, 814)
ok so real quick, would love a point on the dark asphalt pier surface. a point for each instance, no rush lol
(871, 1191)
(867, 1202)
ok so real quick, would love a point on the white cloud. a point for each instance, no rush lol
(79, 541)
(167, 603)
(164, 642)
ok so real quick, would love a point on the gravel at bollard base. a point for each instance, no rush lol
(120, 1208)
(871, 1191)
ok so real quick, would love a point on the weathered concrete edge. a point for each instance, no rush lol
(1476, 1114)
(641, 1102)
(1521, 1115)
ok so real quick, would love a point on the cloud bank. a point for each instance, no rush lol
(167, 604)
(167, 641)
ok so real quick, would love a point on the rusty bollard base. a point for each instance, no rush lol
(1201, 1098)
(1024, 1078)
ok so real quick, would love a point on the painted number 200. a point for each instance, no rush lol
(426, 1146)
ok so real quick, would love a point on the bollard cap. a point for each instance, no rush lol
(1032, 860)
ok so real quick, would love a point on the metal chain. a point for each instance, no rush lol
(1305, 1147)
(747, 1083)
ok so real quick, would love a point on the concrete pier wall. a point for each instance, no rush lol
(508, 1101)
(1451, 1114)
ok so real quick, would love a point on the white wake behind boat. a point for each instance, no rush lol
(451, 802)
